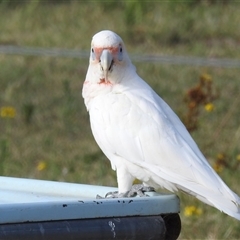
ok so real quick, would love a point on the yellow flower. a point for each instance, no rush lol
(7, 112)
(218, 167)
(209, 107)
(238, 157)
(206, 77)
(192, 210)
(41, 166)
(220, 156)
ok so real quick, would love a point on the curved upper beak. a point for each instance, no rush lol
(106, 62)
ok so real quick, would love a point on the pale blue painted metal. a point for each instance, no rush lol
(28, 200)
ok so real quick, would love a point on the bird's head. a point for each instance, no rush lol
(108, 58)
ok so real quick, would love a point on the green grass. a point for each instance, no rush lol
(51, 123)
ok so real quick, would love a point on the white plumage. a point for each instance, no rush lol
(141, 135)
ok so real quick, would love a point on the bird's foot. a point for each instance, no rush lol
(140, 190)
(136, 190)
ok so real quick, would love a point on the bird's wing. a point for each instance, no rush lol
(134, 123)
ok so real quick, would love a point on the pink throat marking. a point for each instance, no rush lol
(103, 81)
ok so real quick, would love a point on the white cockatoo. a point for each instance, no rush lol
(141, 135)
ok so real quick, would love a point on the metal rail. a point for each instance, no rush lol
(38, 209)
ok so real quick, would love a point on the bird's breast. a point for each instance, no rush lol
(93, 90)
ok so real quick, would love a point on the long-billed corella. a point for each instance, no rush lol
(141, 135)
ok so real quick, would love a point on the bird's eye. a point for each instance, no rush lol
(92, 54)
(120, 53)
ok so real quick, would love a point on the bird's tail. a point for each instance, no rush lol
(218, 195)
(227, 201)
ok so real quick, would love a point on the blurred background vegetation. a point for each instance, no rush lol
(44, 126)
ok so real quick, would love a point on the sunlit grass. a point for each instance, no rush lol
(48, 135)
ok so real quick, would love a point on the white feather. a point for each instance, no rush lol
(143, 138)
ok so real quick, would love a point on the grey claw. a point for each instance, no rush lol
(99, 197)
(112, 195)
(136, 190)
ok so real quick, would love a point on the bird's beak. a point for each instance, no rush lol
(106, 62)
